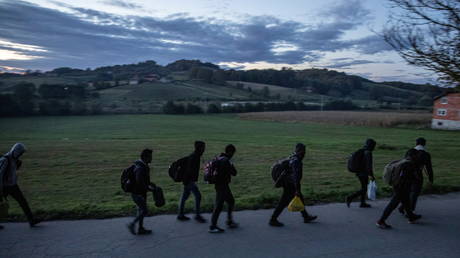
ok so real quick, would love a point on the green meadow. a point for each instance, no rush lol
(73, 164)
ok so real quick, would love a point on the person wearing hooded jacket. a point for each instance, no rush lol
(142, 185)
(291, 187)
(9, 165)
(367, 170)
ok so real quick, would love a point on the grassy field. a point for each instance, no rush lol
(73, 164)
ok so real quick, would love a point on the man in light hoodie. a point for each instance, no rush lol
(9, 164)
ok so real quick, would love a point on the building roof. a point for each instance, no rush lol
(447, 92)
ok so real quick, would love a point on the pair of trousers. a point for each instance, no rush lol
(400, 195)
(415, 190)
(223, 194)
(286, 198)
(141, 203)
(364, 181)
(16, 193)
(190, 187)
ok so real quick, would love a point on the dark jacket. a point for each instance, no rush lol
(192, 168)
(367, 167)
(425, 162)
(225, 170)
(296, 172)
(408, 175)
(142, 178)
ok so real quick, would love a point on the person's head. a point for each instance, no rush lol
(200, 146)
(370, 144)
(300, 150)
(230, 150)
(146, 155)
(420, 141)
(17, 150)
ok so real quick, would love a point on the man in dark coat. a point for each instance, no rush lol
(225, 171)
(141, 186)
(9, 164)
(191, 172)
(401, 190)
(292, 187)
(366, 172)
(424, 164)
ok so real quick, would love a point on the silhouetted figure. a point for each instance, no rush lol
(366, 170)
(9, 165)
(190, 177)
(292, 186)
(401, 190)
(424, 159)
(225, 171)
(142, 185)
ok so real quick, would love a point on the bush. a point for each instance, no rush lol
(213, 109)
(193, 109)
(171, 108)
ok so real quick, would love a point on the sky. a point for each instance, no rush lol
(341, 35)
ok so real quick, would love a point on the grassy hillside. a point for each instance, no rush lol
(73, 164)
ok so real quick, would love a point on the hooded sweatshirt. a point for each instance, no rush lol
(8, 164)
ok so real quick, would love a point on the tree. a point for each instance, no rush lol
(24, 93)
(426, 33)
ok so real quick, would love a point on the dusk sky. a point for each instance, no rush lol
(336, 34)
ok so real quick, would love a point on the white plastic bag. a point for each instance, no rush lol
(372, 190)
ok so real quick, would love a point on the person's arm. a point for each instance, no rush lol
(369, 166)
(296, 167)
(428, 167)
(231, 168)
(142, 180)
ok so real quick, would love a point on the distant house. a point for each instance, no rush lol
(446, 112)
(151, 77)
(134, 80)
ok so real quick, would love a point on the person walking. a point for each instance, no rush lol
(190, 177)
(225, 170)
(424, 158)
(401, 190)
(9, 165)
(292, 187)
(141, 186)
(365, 172)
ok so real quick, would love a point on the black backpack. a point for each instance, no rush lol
(279, 171)
(177, 169)
(158, 196)
(211, 170)
(355, 161)
(127, 179)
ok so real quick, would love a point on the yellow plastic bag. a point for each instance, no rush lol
(296, 204)
(4, 209)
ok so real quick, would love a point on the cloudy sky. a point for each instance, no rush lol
(242, 34)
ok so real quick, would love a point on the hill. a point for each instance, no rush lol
(145, 87)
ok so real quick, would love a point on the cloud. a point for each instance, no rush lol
(123, 4)
(88, 38)
(347, 63)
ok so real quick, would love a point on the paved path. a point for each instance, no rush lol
(339, 232)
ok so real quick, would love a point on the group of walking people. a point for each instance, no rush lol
(407, 186)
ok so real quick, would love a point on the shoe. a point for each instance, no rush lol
(200, 219)
(309, 219)
(414, 218)
(364, 205)
(182, 218)
(34, 222)
(232, 224)
(348, 201)
(401, 210)
(275, 223)
(131, 228)
(215, 229)
(1, 227)
(382, 225)
(143, 231)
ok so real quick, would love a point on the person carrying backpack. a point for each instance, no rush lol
(190, 177)
(291, 187)
(405, 176)
(141, 185)
(365, 170)
(9, 165)
(224, 172)
(425, 164)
